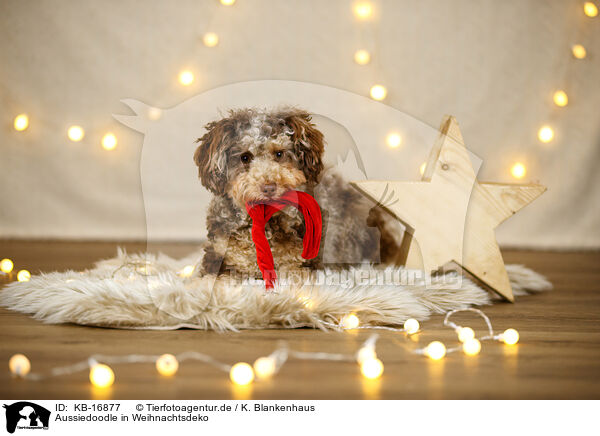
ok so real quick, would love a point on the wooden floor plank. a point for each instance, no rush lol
(558, 357)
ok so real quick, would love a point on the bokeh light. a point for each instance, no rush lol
(109, 141)
(378, 92)
(518, 170)
(362, 57)
(186, 78)
(546, 134)
(21, 122)
(75, 133)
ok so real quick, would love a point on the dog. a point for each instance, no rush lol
(256, 155)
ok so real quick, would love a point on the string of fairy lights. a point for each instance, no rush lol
(363, 11)
(101, 375)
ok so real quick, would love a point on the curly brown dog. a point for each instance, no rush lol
(257, 155)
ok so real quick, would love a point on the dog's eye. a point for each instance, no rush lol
(278, 154)
(246, 157)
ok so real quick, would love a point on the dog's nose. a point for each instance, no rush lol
(269, 189)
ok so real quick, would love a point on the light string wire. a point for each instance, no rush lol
(280, 356)
(365, 356)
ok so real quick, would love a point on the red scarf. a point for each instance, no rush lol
(261, 213)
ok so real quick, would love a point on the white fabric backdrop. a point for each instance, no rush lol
(494, 65)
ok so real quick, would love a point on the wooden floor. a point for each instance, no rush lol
(558, 356)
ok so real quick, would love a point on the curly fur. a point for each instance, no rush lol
(250, 150)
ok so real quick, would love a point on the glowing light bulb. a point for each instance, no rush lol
(363, 10)
(227, 2)
(393, 140)
(6, 265)
(465, 334)
(167, 365)
(19, 365)
(350, 321)
(436, 350)
(186, 78)
(241, 374)
(109, 141)
(546, 134)
(510, 336)
(75, 133)
(23, 275)
(579, 51)
(411, 326)
(518, 170)
(590, 9)
(187, 271)
(422, 168)
(365, 353)
(21, 122)
(264, 367)
(560, 98)
(362, 57)
(371, 368)
(102, 376)
(210, 39)
(378, 92)
(471, 347)
(154, 113)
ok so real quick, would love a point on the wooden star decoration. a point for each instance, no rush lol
(451, 215)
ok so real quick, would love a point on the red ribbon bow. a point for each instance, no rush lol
(261, 213)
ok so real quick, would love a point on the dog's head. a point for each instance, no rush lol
(257, 155)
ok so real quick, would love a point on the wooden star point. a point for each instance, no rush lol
(451, 215)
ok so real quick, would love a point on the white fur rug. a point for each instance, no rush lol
(154, 292)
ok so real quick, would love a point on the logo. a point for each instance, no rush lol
(26, 415)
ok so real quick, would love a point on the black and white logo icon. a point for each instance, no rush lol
(26, 415)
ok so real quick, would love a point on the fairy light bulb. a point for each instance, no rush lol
(19, 365)
(75, 133)
(546, 134)
(362, 57)
(518, 170)
(378, 92)
(109, 141)
(436, 350)
(101, 376)
(422, 168)
(210, 39)
(21, 122)
(186, 78)
(411, 326)
(590, 9)
(471, 347)
(363, 10)
(350, 321)
(264, 367)
(365, 353)
(579, 51)
(393, 140)
(227, 2)
(371, 368)
(241, 374)
(23, 275)
(187, 271)
(167, 365)
(465, 334)
(6, 265)
(510, 336)
(560, 98)
(154, 113)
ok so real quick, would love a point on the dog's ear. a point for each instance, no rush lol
(211, 155)
(308, 144)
